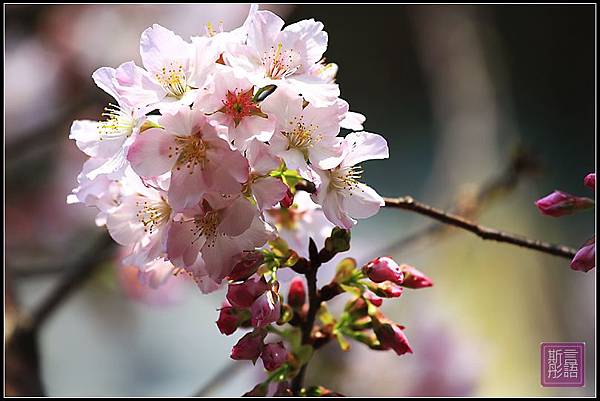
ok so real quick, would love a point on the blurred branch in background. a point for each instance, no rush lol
(471, 201)
(408, 203)
(21, 339)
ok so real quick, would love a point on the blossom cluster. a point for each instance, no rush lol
(200, 159)
(560, 203)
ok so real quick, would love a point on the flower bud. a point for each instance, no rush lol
(585, 258)
(245, 265)
(414, 278)
(273, 356)
(383, 269)
(288, 199)
(244, 294)
(560, 203)
(249, 347)
(590, 181)
(265, 310)
(387, 289)
(228, 320)
(339, 241)
(391, 336)
(374, 299)
(297, 293)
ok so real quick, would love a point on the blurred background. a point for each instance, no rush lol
(485, 109)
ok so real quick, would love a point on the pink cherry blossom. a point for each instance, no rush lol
(285, 57)
(267, 190)
(340, 193)
(305, 134)
(193, 150)
(304, 219)
(206, 239)
(228, 100)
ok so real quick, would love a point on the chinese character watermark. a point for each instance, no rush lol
(563, 364)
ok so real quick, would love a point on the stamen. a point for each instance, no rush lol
(191, 151)
(281, 63)
(301, 136)
(345, 178)
(173, 80)
(206, 226)
(153, 214)
(117, 123)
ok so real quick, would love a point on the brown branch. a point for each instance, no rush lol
(314, 303)
(408, 203)
(21, 343)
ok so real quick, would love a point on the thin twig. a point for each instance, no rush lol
(408, 203)
(314, 303)
(470, 205)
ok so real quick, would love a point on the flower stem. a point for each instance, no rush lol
(314, 300)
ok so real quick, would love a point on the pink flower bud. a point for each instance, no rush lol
(374, 299)
(384, 269)
(265, 310)
(244, 294)
(249, 347)
(288, 200)
(560, 203)
(590, 181)
(273, 356)
(386, 289)
(245, 265)
(414, 278)
(297, 293)
(228, 321)
(585, 258)
(391, 336)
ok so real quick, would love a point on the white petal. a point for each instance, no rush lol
(361, 146)
(364, 202)
(149, 154)
(353, 121)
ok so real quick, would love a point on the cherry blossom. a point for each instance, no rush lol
(285, 57)
(229, 100)
(340, 193)
(305, 134)
(205, 239)
(194, 151)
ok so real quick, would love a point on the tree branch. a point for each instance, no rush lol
(21, 342)
(314, 303)
(408, 203)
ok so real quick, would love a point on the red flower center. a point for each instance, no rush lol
(239, 104)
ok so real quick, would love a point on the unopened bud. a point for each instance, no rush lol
(228, 320)
(249, 347)
(391, 336)
(560, 203)
(244, 294)
(265, 310)
(590, 181)
(338, 241)
(273, 356)
(414, 278)
(297, 293)
(288, 199)
(585, 258)
(245, 265)
(386, 289)
(383, 269)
